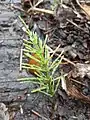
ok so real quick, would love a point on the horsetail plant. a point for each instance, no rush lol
(45, 71)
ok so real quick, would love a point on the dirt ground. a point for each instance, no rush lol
(17, 95)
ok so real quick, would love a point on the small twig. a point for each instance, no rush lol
(39, 2)
(76, 25)
(41, 10)
(30, 3)
(78, 82)
(18, 8)
(49, 31)
(36, 113)
(65, 59)
(75, 11)
(33, 9)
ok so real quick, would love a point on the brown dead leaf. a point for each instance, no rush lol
(75, 92)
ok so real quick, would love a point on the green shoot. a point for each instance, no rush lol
(45, 70)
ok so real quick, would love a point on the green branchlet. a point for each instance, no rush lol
(45, 75)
